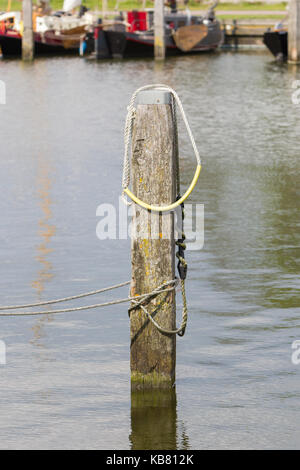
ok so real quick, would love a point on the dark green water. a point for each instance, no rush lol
(66, 382)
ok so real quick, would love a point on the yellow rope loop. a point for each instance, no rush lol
(127, 137)
(170, 206)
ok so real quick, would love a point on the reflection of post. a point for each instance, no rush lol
(27, 38)
(159, 30)
(46, 232)
(294, 31)
(153, 420)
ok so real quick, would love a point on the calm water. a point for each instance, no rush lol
(66, 382)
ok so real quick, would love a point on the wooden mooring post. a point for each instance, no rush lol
(159, 30)
(294, 32)
(104, 9)
(27, 37)
(154, 157)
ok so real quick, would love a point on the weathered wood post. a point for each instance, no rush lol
(104, 9)
(27, 37)
(153, 354)
(159, 30)
(294, 31)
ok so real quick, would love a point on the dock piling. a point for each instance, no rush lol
(294, 32)
(27, 37)
(159, 30)
(154, 154)
(104, 9)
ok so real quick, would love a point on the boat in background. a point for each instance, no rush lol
(277, 41)
(134, 36)
(54, 33)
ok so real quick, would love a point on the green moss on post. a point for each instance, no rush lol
(140, 381)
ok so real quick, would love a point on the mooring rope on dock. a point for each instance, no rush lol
(65, 299)
(160, 289)
(137, 300)
(179, 331)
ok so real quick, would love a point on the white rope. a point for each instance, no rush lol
(160, 289)
(129, 125)
(65, 299)
(165, 331)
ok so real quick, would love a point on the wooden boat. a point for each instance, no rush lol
(277, 42)
(184, 34)
(50, 42)
(58, 33)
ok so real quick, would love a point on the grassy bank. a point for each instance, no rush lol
(248, 6)
(245, 16)
(244, 8)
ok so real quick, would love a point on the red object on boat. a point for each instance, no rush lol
(137, 21)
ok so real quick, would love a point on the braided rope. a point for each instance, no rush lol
(144, 297)
(179, 331)
(65, 299)
(136, 300)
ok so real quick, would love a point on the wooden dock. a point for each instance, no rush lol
(243, 33)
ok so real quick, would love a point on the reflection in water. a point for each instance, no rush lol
(46, 232)
(263, 243)
(154, 421)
